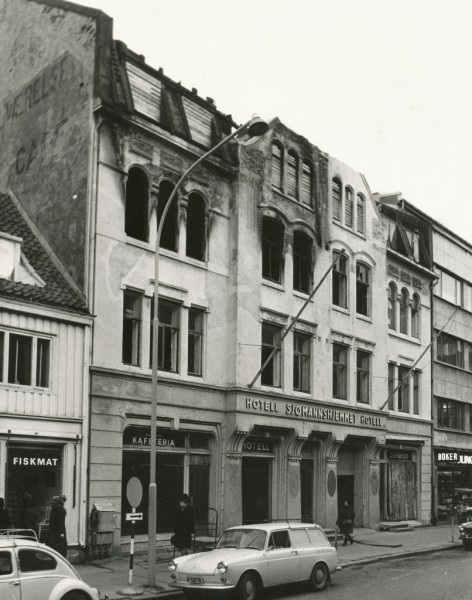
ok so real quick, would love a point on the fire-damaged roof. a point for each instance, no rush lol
(54, 290)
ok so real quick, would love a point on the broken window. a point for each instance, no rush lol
(196, 227)
(137, 205)
(170, 227)
(272, 249)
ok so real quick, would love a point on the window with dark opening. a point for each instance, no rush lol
(392, 306)
(170, 227)
(19, 359)
(196, 227)
(363, 376)
(271, 375)
(404, 389)
(302, 262)
(301, 361)
(340, 354)
(362, 289)
(168, 353)
(404, 307)
(132, 302)
(195, 341)
(340, 281)
(272, 249)
(137, 205)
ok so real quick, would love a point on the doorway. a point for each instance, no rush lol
(345, 490)
(256, 483)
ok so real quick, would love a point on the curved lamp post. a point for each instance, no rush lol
(254, 127)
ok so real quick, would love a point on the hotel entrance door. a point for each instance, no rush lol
(256, 484)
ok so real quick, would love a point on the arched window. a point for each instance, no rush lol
(348, 207)
(307, 184)
(302, 262)
(195, 247)
(363, 289)
(337, 199)
(404, 301)
(360, 214)
(272, 249)
(137, 205)
(169, 230)
(392, 306)
(415, 316)
(277, 165)
(292, 175)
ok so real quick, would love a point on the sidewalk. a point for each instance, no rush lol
(111, 576)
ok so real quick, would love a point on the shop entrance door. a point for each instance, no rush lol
(256, 489)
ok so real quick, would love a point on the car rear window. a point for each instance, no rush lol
(36, 560)
(5, 563)
(299, 538)
(318, 538)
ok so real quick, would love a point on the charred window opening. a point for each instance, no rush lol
(196, 227)
(137, 205)
(169, 229)
(302, 263)
(272, 249)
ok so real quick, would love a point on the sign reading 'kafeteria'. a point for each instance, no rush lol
(315, 413)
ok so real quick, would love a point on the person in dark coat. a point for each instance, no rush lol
(4, 517)
(57, 537)
(184, 526)
(345, 522)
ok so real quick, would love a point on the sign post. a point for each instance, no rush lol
(134, 495)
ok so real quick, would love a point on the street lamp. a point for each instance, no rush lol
(254, 127)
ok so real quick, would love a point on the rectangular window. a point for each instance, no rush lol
(272, 250)
(42, 363)
(451, 414)
(450, 350)
(391, 385)
(132, 303)
(27, 359)
(19, 359)
(416, 392)
(301, 362)
(340, 354)
(362, 289)
(363, 376)
(2, 353)
(271, 375)
(340, 281)
(404, 389)
(168, 342)
(195, 341)
(452, 289)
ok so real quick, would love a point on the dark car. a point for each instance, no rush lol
(465, 526)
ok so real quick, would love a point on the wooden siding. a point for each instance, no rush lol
(199, 121)
(146, 92)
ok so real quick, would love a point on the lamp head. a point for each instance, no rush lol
(257, 126)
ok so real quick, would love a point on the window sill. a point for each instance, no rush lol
(450, 429)
(293, 199)
(25, 387)
(340, 309)
(365, 318)
(453, 366)
(301, 295)
(403, 336)
(273, 285)
(350, 230)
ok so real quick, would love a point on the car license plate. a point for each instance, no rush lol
(195, 579)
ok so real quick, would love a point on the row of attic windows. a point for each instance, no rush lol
(137, 215)
(291, 175)
(345, 211)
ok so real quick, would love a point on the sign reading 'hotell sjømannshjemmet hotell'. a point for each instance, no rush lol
(314, 413)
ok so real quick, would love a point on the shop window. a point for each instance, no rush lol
(196, 227)
(363, 376)
(360, 216)
(170, 228)
(137, 205)
(292, 175)
(168, 343)
(307, 184)
(340, 281)
(340, 354)
(272, 249)
(301, 361)
(404, 306)
(348, 207)
(451, 414)
(27, 359)
(336, 195)
(195, 341)
(277, 166)
(415, 316)
(391, 385)
(271, 375)
(132, 303)
(392, 306)
(302, 263)
(404, 389)
(362, 289)
(35, 560)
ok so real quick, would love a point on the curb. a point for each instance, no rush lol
(374, 559)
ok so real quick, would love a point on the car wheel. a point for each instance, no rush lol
(319, 577)
(75, 596)
(246, 588)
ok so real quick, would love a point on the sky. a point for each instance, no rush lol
(384, 86)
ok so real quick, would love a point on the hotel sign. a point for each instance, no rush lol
(314, 413)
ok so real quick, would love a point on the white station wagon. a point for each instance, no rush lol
(252, 557)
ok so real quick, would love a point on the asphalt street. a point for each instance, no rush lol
(445, 575)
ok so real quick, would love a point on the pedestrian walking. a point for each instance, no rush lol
(57, 537)
(345, 522)
(4, 517)
(184, 526)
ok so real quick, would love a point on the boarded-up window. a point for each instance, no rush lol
(199, 122)
(336, 199)
(292, 175)
(349, 208)
(307, 184)
(146, 92)
(276, 177)
(360, 214)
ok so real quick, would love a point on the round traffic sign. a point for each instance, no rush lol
(134, 492)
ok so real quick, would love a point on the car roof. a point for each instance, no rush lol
(277, 525)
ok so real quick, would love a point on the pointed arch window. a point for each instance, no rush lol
(169, 230)
(277, 165)
(195, 244)
(302, 262)
(137, 205)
